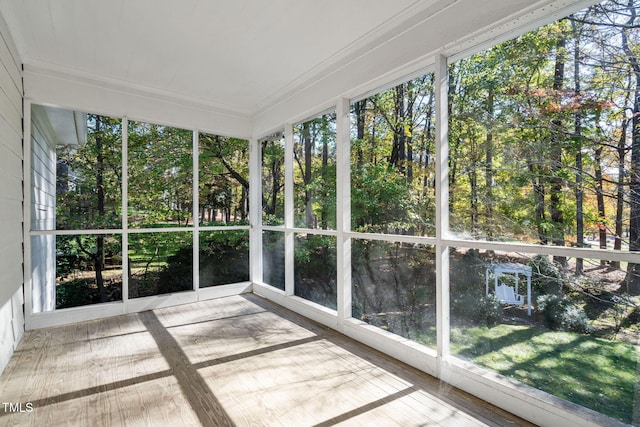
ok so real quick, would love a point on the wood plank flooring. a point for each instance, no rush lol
(239, 361)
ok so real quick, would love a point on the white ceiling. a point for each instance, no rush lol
(232, 54)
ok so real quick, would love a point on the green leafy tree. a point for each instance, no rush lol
(224, 177)
(160, 175)
(88, 194)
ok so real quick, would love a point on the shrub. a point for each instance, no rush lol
(560, 314)
(480, 310)
(546, 277)
(224, 258)
(177, 275)
(468, 274)
(75, 293)
(632, 319)
(78, 292)
(488, 311)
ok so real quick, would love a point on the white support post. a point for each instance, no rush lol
(289, 237)
(343, 207)
(125, 216)
(442, 209)
(529, 294)
(26, 156)
(255, 211)
(195, 211)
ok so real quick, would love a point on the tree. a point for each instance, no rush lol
(89, 191)
(577, 135)
(557, 142)
(273, 179)
(315, 172)
(160, 175)
(633, 272)
(224, 175)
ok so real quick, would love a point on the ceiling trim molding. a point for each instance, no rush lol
(394, 27)
(60, 90)
(81, 77)
(538, 14)
(532, 16)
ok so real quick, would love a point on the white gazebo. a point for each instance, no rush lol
(504, 293)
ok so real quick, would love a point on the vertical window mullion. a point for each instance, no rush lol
(442, 208)
(195, 212)
(125, 216)
(255, 211)
(343, 208)
(288, 210)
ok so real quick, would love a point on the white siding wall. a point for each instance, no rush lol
(43, 210)
(11, 197)
(43, 172)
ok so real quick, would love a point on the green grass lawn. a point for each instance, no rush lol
(592, 372)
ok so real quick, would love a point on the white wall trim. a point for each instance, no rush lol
(46, 87)
(221, 291)
(111, 84)
(402, 349)
(134, 305)
(311, 310)
(66, 316)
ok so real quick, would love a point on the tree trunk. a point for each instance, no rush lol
(622, 151)
(453, 157)
(427, 137)
(244, 210)
(557, 139)
(398, 151)
(602, 229)
(411, 94)
(539, 201)
(633, 270)
(473, 184)
(308, 145)
(577, 129)
(360, 108)
(99, 255)
(488, 167)
(325, 164)
(276, 177)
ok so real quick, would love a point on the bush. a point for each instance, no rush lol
(488, 311)
(480, 310)
(632, 319)
(468, 274)
(177, 275)
(79, 292)
(224, 258)
(546, 277)
(560, 314)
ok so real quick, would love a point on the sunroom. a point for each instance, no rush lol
(452, 184)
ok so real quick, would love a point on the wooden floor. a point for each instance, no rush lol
(233, 361)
